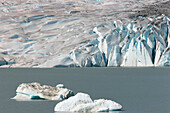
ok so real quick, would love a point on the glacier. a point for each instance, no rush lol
(127, 45)
(90, 33)
(35, 91)
(82, 102)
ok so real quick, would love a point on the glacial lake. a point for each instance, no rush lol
(138, 90)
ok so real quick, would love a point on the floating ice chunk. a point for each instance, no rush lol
(60, 86)
(71, 103)
(27, 91)
(82, 102)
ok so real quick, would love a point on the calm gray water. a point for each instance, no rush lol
(138, 90)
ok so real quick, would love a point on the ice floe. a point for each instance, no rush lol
(82, 102)
(28, 91)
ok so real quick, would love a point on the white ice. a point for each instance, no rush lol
(34, 91)
(82, 102)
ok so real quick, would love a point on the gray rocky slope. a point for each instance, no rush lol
(57, 33)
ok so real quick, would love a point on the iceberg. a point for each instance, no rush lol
(82, 102)
(35, 91)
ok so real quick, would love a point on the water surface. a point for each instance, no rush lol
(138, 90)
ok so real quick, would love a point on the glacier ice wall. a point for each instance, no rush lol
(127, 45)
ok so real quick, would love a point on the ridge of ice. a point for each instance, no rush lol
(131, 45)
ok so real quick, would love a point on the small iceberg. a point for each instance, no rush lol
(82, 102)
(35, 91)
